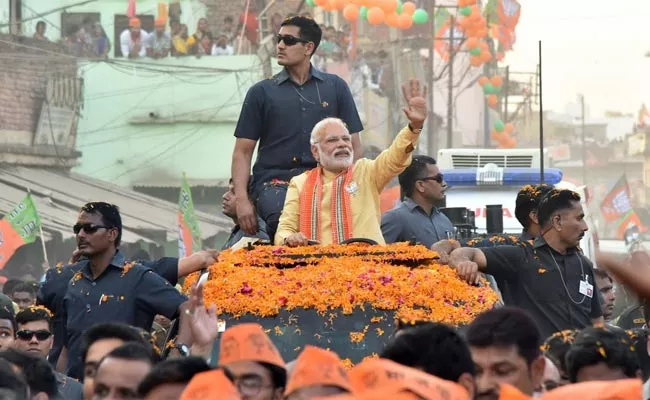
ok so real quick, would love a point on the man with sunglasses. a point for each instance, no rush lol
(107, 289)
(280, 113)
(417, 217)
(34, 336)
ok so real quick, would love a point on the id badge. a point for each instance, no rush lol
(586, 289)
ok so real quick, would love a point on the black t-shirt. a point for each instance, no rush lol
(546, 284)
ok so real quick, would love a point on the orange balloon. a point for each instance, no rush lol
(405, 21)
(509, 128)
(376, 15)
(339, 4)
(494, 135)
(392, 20)
(389, 6)
(472, 42)
(482, 33)
(483, 45)
(483, 80)
(351, 12)
(500, 56)
(408, 8)
(476, 10)
(485, 56)
(329, 6)
(492, 100)
(475, 61)
(496, 81)
(321, 3)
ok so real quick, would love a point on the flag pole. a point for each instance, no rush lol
(40, 231)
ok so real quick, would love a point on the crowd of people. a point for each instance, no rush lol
(100, 327)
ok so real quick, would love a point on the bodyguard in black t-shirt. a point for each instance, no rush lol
(550, 278)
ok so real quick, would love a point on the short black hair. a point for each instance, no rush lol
(527, 201)
(9, 380)
(8, 287)
(9, 315)
(553, 201)
(34, 313)
(505, 327)
(133, 351)
(436, 349)
(36, 371)
(24, 287)
(602, 274)
(594, 345)
(110, 216)
(109, 330)
(40, 23)
(173, 370)
(309, 29)
(417, 170)
(557, 345)
(278, 375)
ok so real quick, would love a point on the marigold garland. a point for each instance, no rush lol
(335, 278)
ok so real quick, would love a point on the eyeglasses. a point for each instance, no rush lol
(290, 40)
(250, 385)
(28, 335)
(438, 178)
(88, 228)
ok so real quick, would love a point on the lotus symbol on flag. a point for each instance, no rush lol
(510, 7)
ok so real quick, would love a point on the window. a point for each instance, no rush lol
(71, 22)
(122, 23)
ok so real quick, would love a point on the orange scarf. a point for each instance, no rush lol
(310, 206)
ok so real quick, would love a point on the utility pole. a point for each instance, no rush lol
(431, 137)
(450, 88)
(584, 144)
(14, 17)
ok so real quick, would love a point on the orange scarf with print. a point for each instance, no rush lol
(310, 206)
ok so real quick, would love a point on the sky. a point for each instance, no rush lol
(591, 47)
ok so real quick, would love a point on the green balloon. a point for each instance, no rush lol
(420, 17)
(466, 11)
(488, 88)
(400, 5)
(499, 126)
(363, 12)
(310, 3)
(475, 52)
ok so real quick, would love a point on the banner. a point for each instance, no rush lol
(617, 203)
(189, 235)
(18, 227)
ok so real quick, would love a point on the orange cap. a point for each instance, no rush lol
(377, 373)
(316, 366)
(248, 342)
(384, 393)
(134, 22)
(160, 22)
(507, 392)
(210, 385)
(611, 390)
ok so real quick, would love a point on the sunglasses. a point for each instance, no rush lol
(290, 40)
(438, 178)
(88, 228)
(28, 335)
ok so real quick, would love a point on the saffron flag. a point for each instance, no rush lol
(189, 235)
(18, 227)
(130, 9)
(630, 220)
(508, 12)
(617, 203)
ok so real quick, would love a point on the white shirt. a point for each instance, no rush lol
(222, 51)
(126, 44)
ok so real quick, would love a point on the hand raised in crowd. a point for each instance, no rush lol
(206, 257)
(246, 217)
(204, 322)
(296, 239)
(444, 249)
(416, 103)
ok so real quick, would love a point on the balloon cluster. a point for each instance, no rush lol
(475, 27)
(393, 13)
(502, 132)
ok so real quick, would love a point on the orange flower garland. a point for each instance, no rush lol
(335, 278)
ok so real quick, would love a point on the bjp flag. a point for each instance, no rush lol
(189, 235)
(18, 227)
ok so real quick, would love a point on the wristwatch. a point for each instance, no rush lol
(416, 131)
(182, 348)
